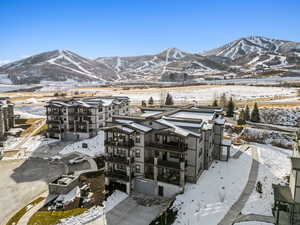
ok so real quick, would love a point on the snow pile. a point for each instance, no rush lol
(281, 116)
(70, 196)
(216, 191)
(276, 138)
(96, 211)
(274, 167)
(95, 146)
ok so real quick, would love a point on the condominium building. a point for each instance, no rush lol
(7, 119)
(157, 151)
(286, 208)
(80, 118)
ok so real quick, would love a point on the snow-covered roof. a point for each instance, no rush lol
(147, 113)
(184, 123)
(140, 127)
(107, 102)
(204, 116)
(178, 130)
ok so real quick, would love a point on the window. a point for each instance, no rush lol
(137, 153)
(121, 167)
(137, 138)
(174, 155)
(200, 152)
(137, 168)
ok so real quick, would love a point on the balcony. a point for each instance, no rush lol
(168, 164)
(119, 159)
(55, 130)
(56, 113)
(171, 146)
(54, 121)
(118, 143)
(169, 178)
(117, 175)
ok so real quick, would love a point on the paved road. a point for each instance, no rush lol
(237, 207)
(255, 217)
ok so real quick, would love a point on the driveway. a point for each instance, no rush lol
(131, 211)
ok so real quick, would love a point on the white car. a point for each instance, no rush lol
(78, 159)
(54, 158)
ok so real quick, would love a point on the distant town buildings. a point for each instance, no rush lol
(157, 151)
(7, 118)
(287, 197)
(79, 118)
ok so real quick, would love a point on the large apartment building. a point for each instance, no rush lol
(80, 118)
(286, 208)
(7, 119)
(157, 151)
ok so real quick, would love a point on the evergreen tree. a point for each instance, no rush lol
(144, 103)
(169, 100)
(223, 100)
(247, 113)
(230, 108)
(241, 120)
(215, 103)
(150, 101)
(255, 114)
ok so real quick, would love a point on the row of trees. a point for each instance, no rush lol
(168, 101)
(245, 115)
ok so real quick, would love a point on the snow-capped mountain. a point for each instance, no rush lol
(256, 51)
(58, 65)
(153, 66)
(245, 57)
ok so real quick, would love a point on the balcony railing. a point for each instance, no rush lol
(112, 142)
(54, 113)
(117, 175)
(177, 147)
(171, 179)
(55, 130)
(168, 164)
(54, 121)
(119, 159)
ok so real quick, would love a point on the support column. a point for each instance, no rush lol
(182, 173)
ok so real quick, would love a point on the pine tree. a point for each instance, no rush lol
(230, 108)
(247, 113)
(144, 103)
(223, 100)
(215, 103)
(169, 100)
(255, 114)
(241, 120)
(150, 101)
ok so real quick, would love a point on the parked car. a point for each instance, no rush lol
(54, 158)
(76, 160)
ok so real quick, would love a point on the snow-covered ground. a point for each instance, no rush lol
(95, 146)
(276, 138)
(273, 168)
(208, 93)
(30, 111)
(216, 191)
(281, 116)
(253, 223)
(96, 211)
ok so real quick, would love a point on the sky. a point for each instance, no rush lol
(94, 28)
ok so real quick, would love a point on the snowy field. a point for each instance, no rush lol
(273, 168)
(95, 146)
(203, 94)
(216, 191)
(30, 111)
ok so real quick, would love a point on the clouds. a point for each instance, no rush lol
(2, 62)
